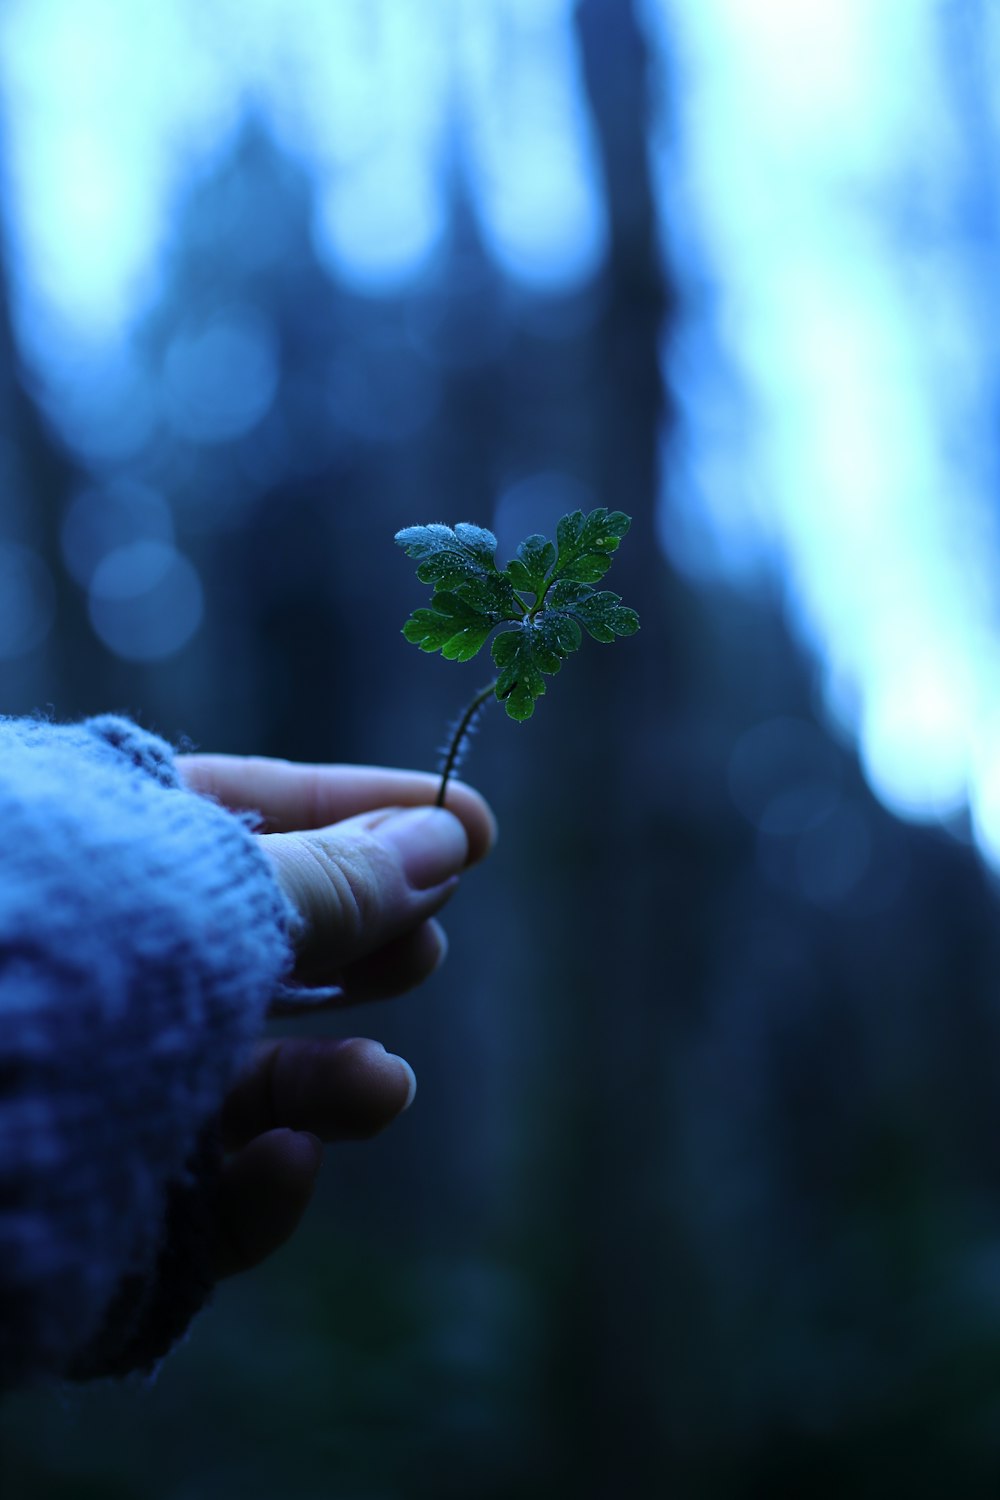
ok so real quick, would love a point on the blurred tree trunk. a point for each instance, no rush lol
(613, 1257)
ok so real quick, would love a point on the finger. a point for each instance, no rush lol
(263, 1192)
(337, 1090)
(367, 881)
(394, 969)
(291, 796)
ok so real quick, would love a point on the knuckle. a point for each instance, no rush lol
(347, 887)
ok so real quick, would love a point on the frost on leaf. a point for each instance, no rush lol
(449, 556)
(460, 565)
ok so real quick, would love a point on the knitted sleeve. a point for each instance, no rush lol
(142, 936)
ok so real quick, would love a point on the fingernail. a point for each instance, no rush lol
(442, 944)
(411, 1079)
(430, 843)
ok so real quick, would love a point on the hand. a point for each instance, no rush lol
(366, 862)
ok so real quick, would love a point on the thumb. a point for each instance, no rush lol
(361, 883)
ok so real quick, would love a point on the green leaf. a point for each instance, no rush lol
(452, 626)
(450, 557)
(520, 679)
(557, 634)
(523, 655)
(600, 612)
(530, 568)
(492, 594)
(461, 561)
(586, 543)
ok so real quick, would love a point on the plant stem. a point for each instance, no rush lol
(461, 730)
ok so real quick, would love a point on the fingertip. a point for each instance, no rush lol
(431, 844)
(477, 816)
(306, 1151)
(263, 1193)
(377, 1087)
(408, 1076)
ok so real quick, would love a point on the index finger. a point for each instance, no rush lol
(291, 797)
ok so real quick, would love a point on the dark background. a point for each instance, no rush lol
(700, 1195)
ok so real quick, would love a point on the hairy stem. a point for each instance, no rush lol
(461, 730)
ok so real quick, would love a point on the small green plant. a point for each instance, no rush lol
(545, 593)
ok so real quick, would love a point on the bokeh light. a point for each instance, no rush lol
(102, 518)
(145, 601)
(220, 379)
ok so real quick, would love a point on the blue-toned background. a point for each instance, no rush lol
(701, 1192)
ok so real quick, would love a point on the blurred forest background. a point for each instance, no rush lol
(701, 1193)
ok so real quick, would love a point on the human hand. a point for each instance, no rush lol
(366, 861)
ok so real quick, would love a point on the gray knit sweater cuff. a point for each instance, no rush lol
(142, 938)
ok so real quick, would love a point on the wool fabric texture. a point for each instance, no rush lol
(142, 938)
